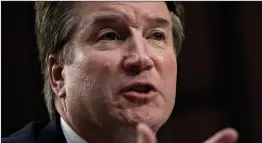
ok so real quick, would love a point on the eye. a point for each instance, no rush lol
(108, 36)
(158, 36)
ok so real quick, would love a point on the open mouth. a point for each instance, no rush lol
(139, 93)
(141, 88)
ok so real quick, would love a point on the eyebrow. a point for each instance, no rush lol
(98, 20)
(104, 17)
(157, 21)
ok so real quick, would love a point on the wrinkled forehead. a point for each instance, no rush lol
(131, 10)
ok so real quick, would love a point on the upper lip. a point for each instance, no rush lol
(128, 87)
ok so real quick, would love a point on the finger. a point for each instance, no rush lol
(228, 135)
(145, 134)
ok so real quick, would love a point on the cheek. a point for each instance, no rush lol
(86, 80)
(103, 65)
(167, 65)
(92, 71)
(170, 65)
(168, 72)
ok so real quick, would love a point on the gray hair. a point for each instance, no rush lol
(55, 22)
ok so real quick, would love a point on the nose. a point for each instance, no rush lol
(137, 58)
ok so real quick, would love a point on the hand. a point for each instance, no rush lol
(228, 135)
(145, 134)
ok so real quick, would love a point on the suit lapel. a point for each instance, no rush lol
(52, 133)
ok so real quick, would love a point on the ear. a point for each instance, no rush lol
(56, 76)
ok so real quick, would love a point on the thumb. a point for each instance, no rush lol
(145, 134)
(228, 135)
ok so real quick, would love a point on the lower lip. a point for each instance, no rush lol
(137, 97)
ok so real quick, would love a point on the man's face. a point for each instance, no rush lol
(124, 68)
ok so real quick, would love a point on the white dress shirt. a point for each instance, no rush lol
(70, 135)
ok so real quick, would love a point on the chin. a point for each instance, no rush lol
(155, 119)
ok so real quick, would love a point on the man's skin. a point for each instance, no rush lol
(121, 84)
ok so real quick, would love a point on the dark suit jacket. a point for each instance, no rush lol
(37, 132)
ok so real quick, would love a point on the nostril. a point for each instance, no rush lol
(132, 62)
(135, 63)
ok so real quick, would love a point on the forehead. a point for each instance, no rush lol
(132, 10)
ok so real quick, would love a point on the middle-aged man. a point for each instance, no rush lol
(110, 72)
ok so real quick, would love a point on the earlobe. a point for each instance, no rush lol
(56, 76)
(61, 92)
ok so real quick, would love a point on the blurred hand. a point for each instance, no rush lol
(228, 135)
(145, 134)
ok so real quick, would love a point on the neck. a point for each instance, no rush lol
(94, 134)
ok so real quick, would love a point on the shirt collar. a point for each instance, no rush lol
(70, 135)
